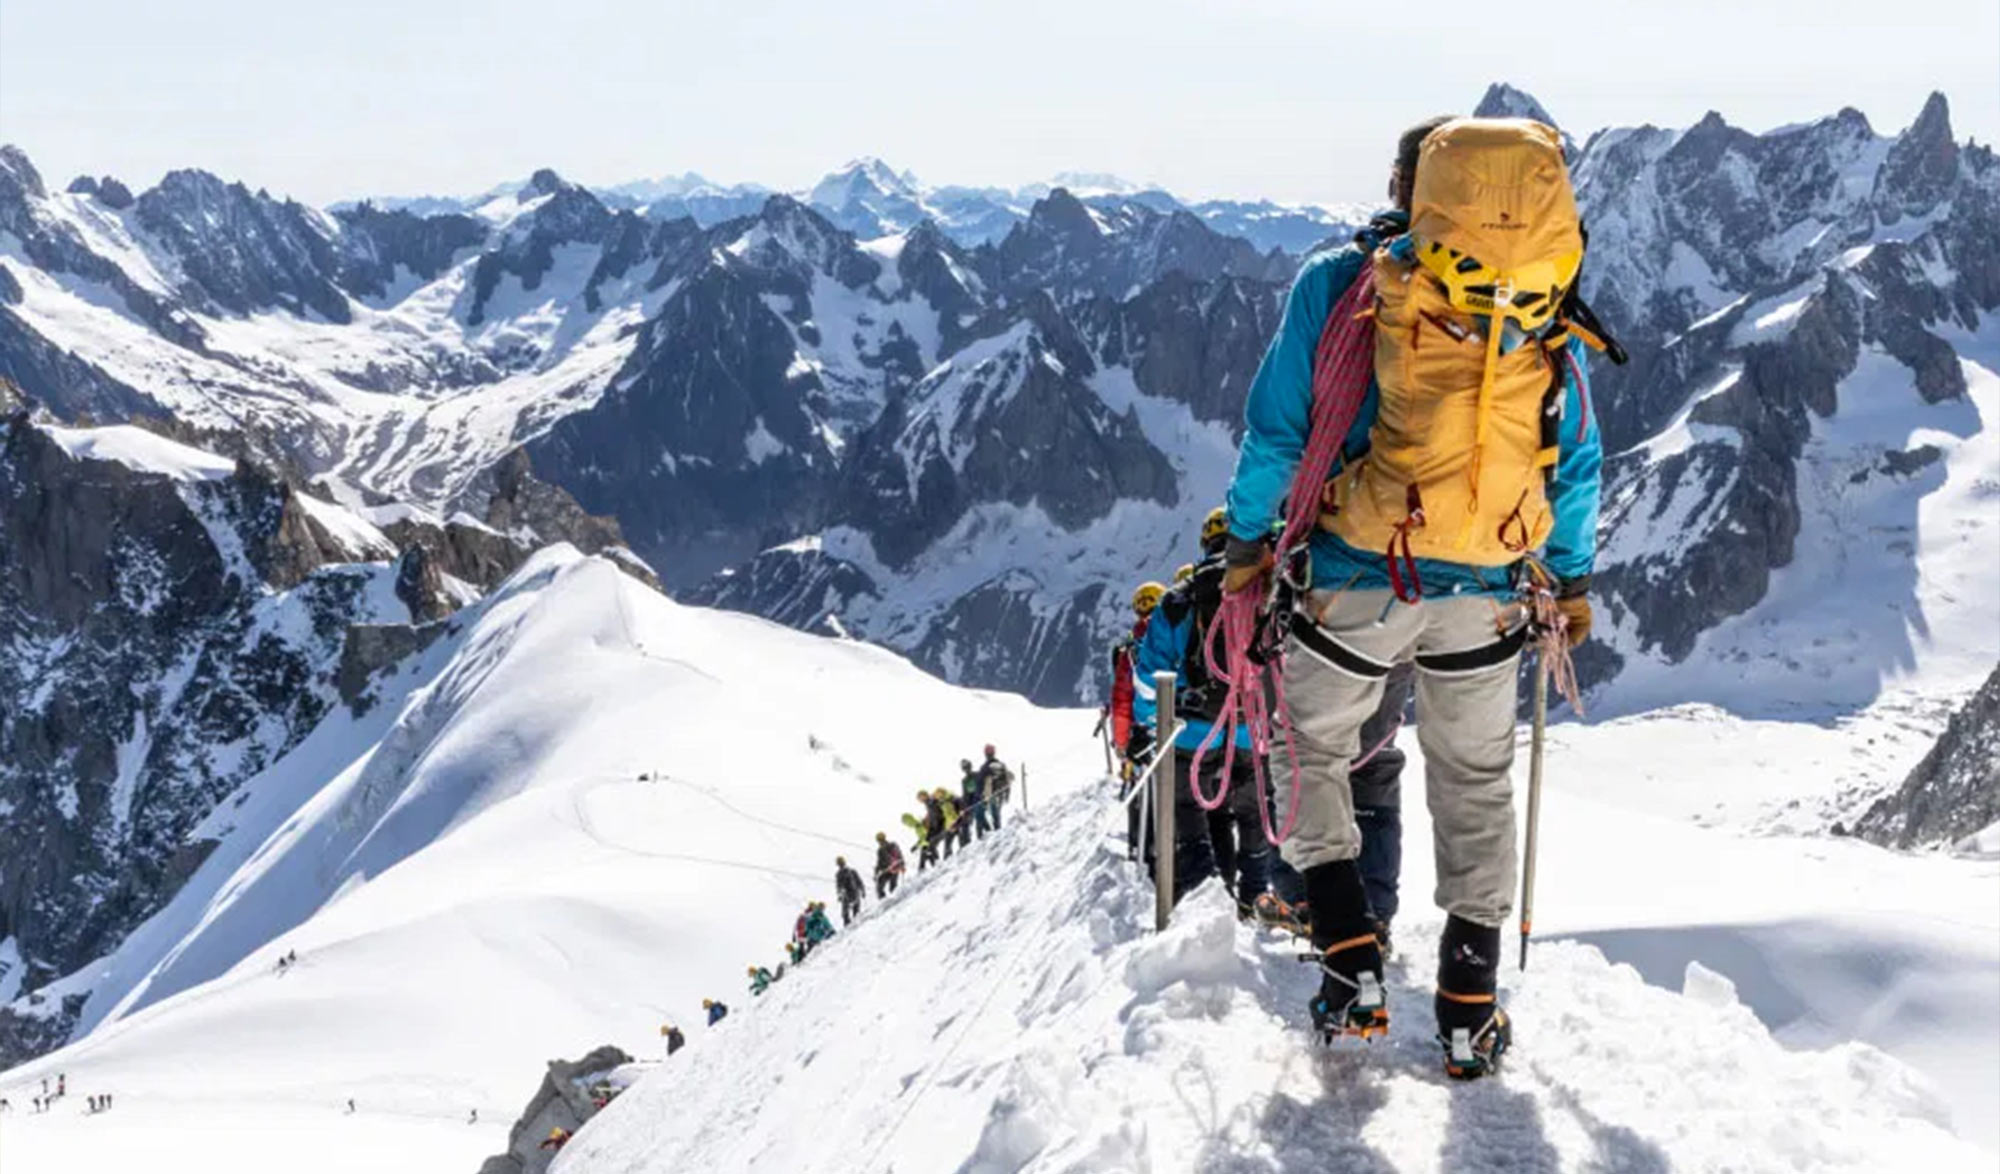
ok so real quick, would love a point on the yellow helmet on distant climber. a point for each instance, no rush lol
(1146, 597)
(1215, 525)
(1184, 572)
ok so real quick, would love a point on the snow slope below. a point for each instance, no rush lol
(475, 878)
(1056, 1032)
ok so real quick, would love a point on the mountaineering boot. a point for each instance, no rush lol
(1351, 999)
(1474, 1032)
(1272, 910)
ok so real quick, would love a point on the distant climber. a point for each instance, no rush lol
(1132, 740)
(972, 793)
(761, 979)
(931, 831)
(851, 889)
(1229, 841)
(944, 832)
(819, 927)
(675, 1040)
(716, 1009)
(998, 783)
(888, 865)
(558, 1138)
(472, 1118)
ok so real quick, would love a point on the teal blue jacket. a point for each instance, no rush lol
(1278, 419)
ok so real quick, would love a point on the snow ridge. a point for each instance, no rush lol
(1055, 1032)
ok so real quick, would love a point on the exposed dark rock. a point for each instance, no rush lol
(142, 686)
(241, 251)
(1955, 791)
(370, 648)
(378, 242)
(420, 585)
(562, 1102)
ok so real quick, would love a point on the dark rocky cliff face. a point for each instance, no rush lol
(165, 641)
(1955, 791)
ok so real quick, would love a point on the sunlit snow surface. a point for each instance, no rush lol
(476, 881)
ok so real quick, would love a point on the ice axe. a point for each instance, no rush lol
(1534, 804)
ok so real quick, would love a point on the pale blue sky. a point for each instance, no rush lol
(1292, 99)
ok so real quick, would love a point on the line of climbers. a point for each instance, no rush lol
(1169, 631)
(943, 820)
(1457, 519)
(983, 791)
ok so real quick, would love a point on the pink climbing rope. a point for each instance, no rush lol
(1343, 362)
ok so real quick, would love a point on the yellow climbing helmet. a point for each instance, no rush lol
(1493, 212)
(1215, 525)
(1184, 572)
(1146, 597)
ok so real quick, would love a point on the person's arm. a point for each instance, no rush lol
(1577, 488)
(1158, 652)
(1277, 416)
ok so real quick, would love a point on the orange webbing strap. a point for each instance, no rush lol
(1589, 337)
(1469, 1000)
(1367, 939)
(1496, 326)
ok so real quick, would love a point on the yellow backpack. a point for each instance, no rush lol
(1467, 432)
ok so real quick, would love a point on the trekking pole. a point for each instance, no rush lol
(1534, 806)
(1024, 786)
(1163, 800)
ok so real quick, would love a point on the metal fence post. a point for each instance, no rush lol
(1164, 783)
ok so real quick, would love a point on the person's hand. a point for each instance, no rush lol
(1245, 562)
(1573, 601)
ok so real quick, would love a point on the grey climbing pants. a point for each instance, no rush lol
(1466, 649)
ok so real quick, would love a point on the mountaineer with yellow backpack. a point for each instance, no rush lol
(1471, 464)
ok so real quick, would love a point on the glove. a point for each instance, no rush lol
(1245, 561)
(1573, 601)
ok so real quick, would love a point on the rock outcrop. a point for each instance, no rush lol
(566, 1099)
(1955, 791)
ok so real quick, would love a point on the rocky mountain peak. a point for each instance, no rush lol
(105, 189)
(544, 182)
(18, 173)
(1062, 216)
(1922, 164)
(861, 178)
(1502, 100)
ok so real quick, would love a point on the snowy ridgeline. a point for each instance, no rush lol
(476, 879)
(1051, 1030)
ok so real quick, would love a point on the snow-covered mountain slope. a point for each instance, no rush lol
(475, 876)
(174, 622)
(1016, 1013)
